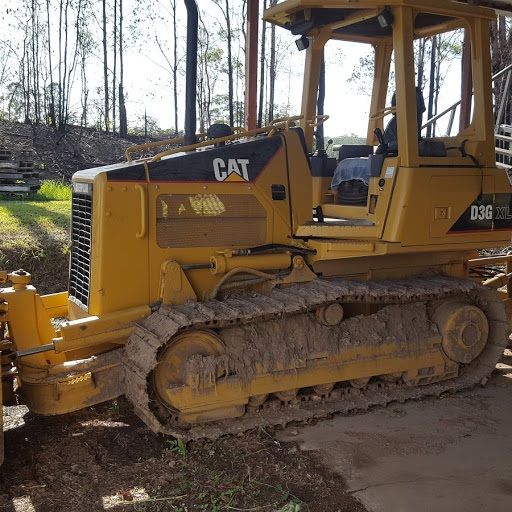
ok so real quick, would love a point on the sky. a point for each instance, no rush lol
(346, 105)
(347, 108)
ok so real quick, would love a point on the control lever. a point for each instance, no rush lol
(383, 147)
(380, 137)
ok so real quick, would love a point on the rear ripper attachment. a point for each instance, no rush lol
(309, 350)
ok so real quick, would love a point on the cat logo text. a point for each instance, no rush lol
(234, 169)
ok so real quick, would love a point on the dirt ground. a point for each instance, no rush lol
(104, 458)
(60, 154)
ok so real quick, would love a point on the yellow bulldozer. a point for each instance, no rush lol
(241, 278)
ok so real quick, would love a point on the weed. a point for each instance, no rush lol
(284, 493)
(212, 506)
(292, 506)
(52, 190)
(178, 446)
(114, 408)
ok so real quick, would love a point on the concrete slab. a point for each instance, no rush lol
(446, 455)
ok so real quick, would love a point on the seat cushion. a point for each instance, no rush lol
(352, 169)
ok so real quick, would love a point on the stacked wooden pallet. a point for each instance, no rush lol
(17, 173)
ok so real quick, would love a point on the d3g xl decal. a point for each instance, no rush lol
(490, 212)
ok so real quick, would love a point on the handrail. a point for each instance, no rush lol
(278, 124)
(441, 114)
(155, 144)
(502, 72)
(503, 149)
(238, 133)
(382, 113)
(505, 138)
(456, 104)
(143, 212)
(501, 110)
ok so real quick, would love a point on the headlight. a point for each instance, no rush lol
(82, 188)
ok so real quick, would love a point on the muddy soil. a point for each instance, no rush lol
(105, 458)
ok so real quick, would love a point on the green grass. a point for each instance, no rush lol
(33, 222)
(50, 190)
(53, 191)
(34, 235)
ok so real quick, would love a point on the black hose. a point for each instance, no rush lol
(273, 248)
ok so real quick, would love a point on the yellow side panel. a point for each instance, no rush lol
(427, 202)
(190, 220)
(120, 247)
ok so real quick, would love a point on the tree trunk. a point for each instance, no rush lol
(262, 69)
(432, 85)
(230, 65)
(123, 121)
(114, 70)
(51, 110)
(272, 69)
(421, 62)
(59, 91)
(466, 92)
(25, 72)
(85, 91)
(175, 66)
(63, 103)
(35, 60)
(105, 68)
(319, 132)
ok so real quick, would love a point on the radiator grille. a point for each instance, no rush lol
(80, 266)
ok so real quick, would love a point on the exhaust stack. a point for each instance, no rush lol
(191, 72)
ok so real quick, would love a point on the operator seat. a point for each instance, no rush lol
(352, 175)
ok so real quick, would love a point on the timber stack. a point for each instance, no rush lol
(17, 173)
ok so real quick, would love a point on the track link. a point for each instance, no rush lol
(152, 334)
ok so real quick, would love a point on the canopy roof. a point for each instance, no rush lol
(356, 20)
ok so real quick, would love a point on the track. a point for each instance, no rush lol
(151, 335)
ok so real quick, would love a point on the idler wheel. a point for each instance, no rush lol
(464, 328)
(172, 370)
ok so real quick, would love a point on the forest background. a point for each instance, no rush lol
(118, 66)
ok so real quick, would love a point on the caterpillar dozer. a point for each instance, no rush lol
(241, 277)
